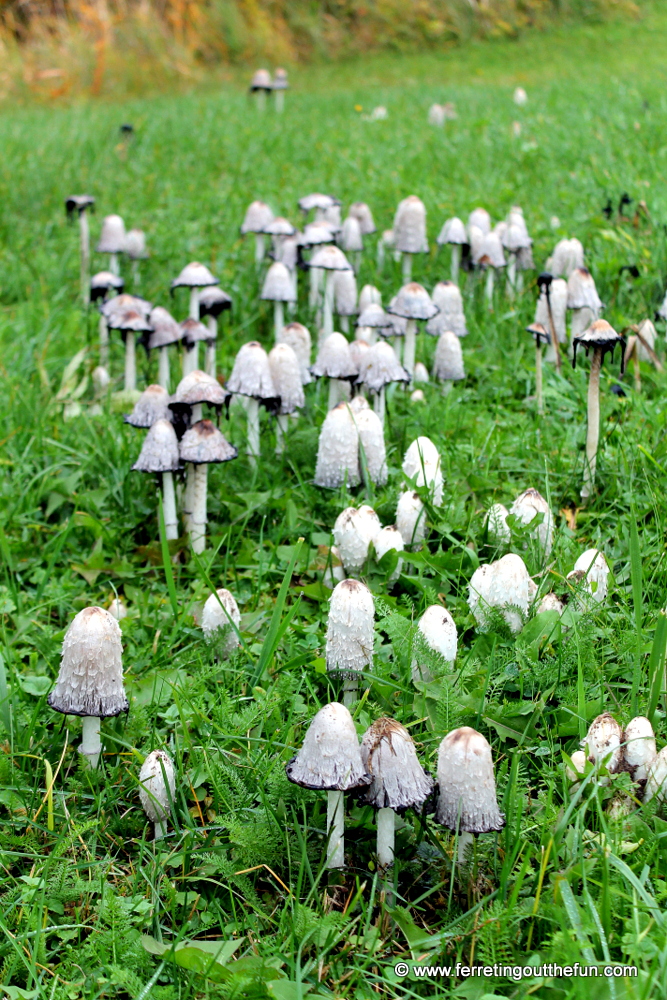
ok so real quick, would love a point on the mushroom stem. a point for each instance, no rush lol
(350, 691)
(327, 319)
(188, 494)
(314, 294)
(488, 290)
(209, 359)
(194, 303)
(169, 506)
(198, 519)
(593, 427)
(335, 829)
(260, 100)
(135, 274)
(280, 100)
(334, 393)
(407, 268)
(538, 376)
(91, 744)
(456, 262)
(385, 837)
(636, 371)
(104, 342)
(278, 320)
(465, 838)
(163, 368)
(114, 265)
(552, 330)
(259, 248)
(511, 276)
(356, 261)
(130, 361)
(84, 233)
(344, 324)
(410, 348)
(379, 404)
(160, 830)
(191, 359)
(252, 410)
(281, 430)
(397, 344)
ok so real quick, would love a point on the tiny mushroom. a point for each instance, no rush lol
(372, 448)
(529, 505)
(422, 462)
(80, 203)
(220, 620)
(278, 288)
(165, 331)
(101, 284)
(212, 303)
(389, 540)
(330, 259)
(193, 333)
(413, 303)
(411, 519)
(297, 336)
(129, 321)
(194, 276)
(454, 233)
(591, 577)
(157, 785)
(656, 779)
(280, 85)
(345, 297)
(409, 232)
(379, 368)
(541, 336)
(112, 240)
(448, 361)
(449, 301)
(335, 362)
(261, 85)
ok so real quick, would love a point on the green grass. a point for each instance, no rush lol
(243, 861)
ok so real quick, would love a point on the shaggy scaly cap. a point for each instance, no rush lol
(360, 211)
(334, 359)
(640, 749)
(550, 602)
(215, 622)
(112, 237)
(297, 336)
(390, 757)
(496, 524)
(353, 532)
(466, 784)
(198, 387)
(438, 628)
(422, 460)
(447, 297)
(381, 367)
(165, 330)
(278, 285)
(410, 226)
(529, 505)
(350, 631)
(656, 781)
(155, 794)
(448, 361)
(351, 239)
(581, 291)
(338, 450)
(251, 375)
(603, 742)
(592, 571)
(411, 519)
(504, 584)
(159, 452)
(204, 444)
(258, 215)
(386, 540)
(286, 375)
(412, 302)
(330, 757)
(371, 439)
(568, 255)
(152, 405)
(90, 681)
(194, 275)
(213, 301)
(453, 231)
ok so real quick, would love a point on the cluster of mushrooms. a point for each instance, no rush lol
(263, 84)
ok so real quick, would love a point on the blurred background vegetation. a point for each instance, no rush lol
(52, 49)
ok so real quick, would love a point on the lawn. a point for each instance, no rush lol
(90, 904)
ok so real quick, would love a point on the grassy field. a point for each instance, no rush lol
(88, 903)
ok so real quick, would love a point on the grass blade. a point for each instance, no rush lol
(636, 577)
(276, 628)
(656, 666)
(5, 706)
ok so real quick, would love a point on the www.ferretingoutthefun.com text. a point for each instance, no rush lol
(516, 972)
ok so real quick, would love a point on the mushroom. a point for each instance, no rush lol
(591, 572)
(413, 303)
(117, 608)
(601, 337)
(212, 303)
(165, 331)
(193, 333)
(358, 351)
(420, 375)
(334, 362)
(369, 296)
(603, 743)
(411, 519)
(409, 233)
(515, 240)
(219, 616)
(480, 219)
(379, 368)
(297, 336)
(251, 377)
(372, 318)
(467, 800)
(258, 216)
(491, 257)
(159, 454)
(320, 202)
(80, 203)
(345, 297)
(152, 405)
(448, 361)
(202, 445)
(129, 321)
(454, 233)
(286, 376)
(100, 285)
(112, 240)
(437, 630)
(496, 524)
(278, 288)
(372, 448)
(280, 85)
(330, 259)
(351, 240)
(422, 462)
(338, 450)
(656, 779)
(398, 781)
(640, 749)
(449, 301)
(551, 313)
(583, 299)
(568, 255)
(387, 540)
(261, 85)
(279, 229)
(353, 533)
(525, 508)
(194, 276)
(578, 759)
(350, 634)
(550, 602)
(360, 211)
(504, 584)
(541, 336)
(136, 250)
(157, 785)
(330, 759)
(90, 680)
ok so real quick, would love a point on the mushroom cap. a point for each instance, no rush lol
(422, 461)
(78, 203)
(317, 233)
(159, 452)
(103, 282)
(476, 240)
(374, 316)
(448, 299)
(286, 376)
(526, 507)
(595, 573)
(368, 296)
(197, 387)
(578, 758)
(112, 237)
(381, 367)
(164, 328)
(90, 680)
(204, 444)
(330, 757)
(413, 302)
(193, 332)
(656, 780)
(496, 525)
(599, 334)
(135, 244)
(279, 226)
(504, 584)
(278, 285)
(480, 218)
(491, 251)
(251, 374)
(516, 238)
(121, 304)
(538, 331)
(467, 784)
(568, 255)
(353, 533)
(215, 620)
(330, 258)
(453, 231)
(317, 200)
(157, 786)
(127, 320)
(338, 450)
(581, 290)
(280, 81)
(558, 300)
(334, 359)
(358, 351)
(152, 405)
(439, 631)
(410, 226)
(550, 602)
(213, 301)
(448, 361)
(350, 628)
(194, 275)
(297, 336)
(649, 334)
(411, 518)
(345, 293)
(604, 742)
(389, 755)
(261, 80)
(351, 239)
(640, 749)
(387, 540)
(257, 217)
(371, 440)
(420, 374)
(360, 211)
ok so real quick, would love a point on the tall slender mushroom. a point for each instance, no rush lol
(411, 519)
(193, 333)
(129, 321)
(194, 276)
(280, 85)
(279, 229)
(165, 332)
(345, 297)
(152, 405)
(492, 258)
(568, 255)
(136, 250)
(372, 318)
(101, 284)
(286, 376)
(257, 217)
(278, 288)
(261, 85)
(601, 338)
(448, 361)
(410, 232)
(379, 368)
(203, 445)
(112, 240)
(541, 336)
(352, 241)
(551, 313)
(329, 258)
(350, 634)
(80, 203)
(192, 392)
(338, 450)
(251, 378)
(447, 297)
(297, 336)
(159, 455)
(316, 234)
(371, 441)
(157, 786)
(212, 303)
(90, 680)
(413, 303)
(330, 759)
(437, 632)
(422, 463)
(583, 300)
(360, 211)
(334, 361)
(454, 233)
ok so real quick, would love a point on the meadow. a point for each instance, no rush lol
(89, 905)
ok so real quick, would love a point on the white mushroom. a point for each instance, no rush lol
(297, 336)
(409, 232)
(603, 743)
(112, 240)
(467, 786)
(157, 785)
(591, 573)
(656, 780)
(353, 533)
(159, 455)
(257, 217)
(334, 361)
(338, 450)
(640, 749)
(219, 616)
(448, 361)
(411, 519)
(526, 508)
(386, 540)
(504, 584)
(448, 299)
(437, 630)
(422, 463)
(350, 634)
(496, 524)
(251, 377)
(286, 376)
